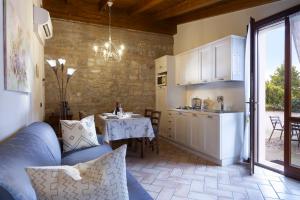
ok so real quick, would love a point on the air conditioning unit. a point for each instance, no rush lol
(42, 24)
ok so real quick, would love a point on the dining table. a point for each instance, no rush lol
(125, 126)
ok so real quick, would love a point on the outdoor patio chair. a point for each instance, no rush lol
(277, 125)
(295, 132)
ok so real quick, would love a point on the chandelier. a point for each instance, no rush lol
(109, 50)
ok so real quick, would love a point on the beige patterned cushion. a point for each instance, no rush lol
(78, 134)
(103, 178)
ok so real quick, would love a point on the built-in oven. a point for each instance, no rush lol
(161, 79)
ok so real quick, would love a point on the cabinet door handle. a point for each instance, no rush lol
(208, 116)
(170, 121)
(221, 79)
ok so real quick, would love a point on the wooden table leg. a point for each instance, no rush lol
(142, 148)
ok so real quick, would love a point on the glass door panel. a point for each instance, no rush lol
(270, 95)
(295, 108)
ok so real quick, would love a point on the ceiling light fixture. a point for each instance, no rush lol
(109, 51)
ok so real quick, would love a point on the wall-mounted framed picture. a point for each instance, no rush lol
(17, 50)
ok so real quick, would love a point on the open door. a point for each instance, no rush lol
(292, 97)
(274, 100)
(252, 99)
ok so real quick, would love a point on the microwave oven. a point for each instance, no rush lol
(161, 80)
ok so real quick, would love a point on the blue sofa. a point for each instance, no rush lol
(37, 145)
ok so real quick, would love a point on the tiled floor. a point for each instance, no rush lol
(178, 175)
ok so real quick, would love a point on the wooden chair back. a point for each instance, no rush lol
(82, 114)
(155, 120)
(148, 112)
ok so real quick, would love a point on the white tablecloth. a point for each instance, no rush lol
(117, 129)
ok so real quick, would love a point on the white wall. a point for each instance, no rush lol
(200, 32)
(20, 109)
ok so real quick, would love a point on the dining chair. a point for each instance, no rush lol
(82, 114)
(148, 112)
(155, 120)
(277, 125)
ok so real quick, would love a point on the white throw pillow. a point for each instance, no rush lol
(101, 179)
(78, 134)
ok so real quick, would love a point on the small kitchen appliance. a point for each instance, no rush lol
(196, 103)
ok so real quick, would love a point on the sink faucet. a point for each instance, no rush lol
(220, 99)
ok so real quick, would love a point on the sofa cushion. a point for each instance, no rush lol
(79, 134)
(135, 190)
(35, 145)
(103, 178)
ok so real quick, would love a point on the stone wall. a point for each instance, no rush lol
(96, 85)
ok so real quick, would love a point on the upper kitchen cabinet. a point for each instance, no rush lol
(206, 63)
(228, 59)
(187, 68)
(221, 60)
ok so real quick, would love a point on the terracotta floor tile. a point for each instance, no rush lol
(175, 174)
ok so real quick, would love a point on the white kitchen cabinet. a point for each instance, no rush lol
(170, 133)
(161, 65)
(187, 68)
(181, 128)
(168, 96)
(222, 65)
(206, 63)
(228, 59)
(180, 69)
(197, 131)
(221, 60)
(217, 136)
(211, 134)
(192, 69)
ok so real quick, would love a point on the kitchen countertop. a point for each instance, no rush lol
(212, 112)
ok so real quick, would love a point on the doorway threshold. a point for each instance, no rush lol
(271, 166)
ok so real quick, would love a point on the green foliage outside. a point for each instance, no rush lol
(275, 90)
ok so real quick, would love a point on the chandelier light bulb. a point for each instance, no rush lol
(120, 52)
(95, 48)
(52, 63)
(71, 71)
(106, 45)
(61, 61)
(122, 46)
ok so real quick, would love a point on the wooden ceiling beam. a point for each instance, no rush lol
(184, 7)
(222, 7)
(144, 5)
(118, 20)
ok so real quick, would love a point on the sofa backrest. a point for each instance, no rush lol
(35, 145)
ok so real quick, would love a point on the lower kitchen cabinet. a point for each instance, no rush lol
(197, 131)
(181, 128)
(217, 137)
(212, 135)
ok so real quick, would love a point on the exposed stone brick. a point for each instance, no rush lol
(96, 85)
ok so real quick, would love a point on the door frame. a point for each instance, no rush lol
(289, 170)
